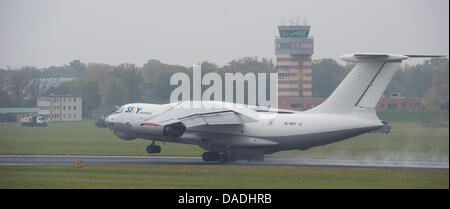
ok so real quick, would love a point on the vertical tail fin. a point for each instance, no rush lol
(364, 85)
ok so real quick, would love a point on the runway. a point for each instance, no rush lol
(328, 163)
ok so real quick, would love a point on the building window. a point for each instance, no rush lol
(68, 115)
(382, 105)
(74, 99)
(284, 45)
(74, 115)
(404, 106)
(417, 107)
(74, 107)
(69, 107)
(64, 115)
(297, 106)
(392, 107)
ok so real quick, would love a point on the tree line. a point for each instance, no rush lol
(102, 85)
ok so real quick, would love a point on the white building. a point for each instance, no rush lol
(60, 107)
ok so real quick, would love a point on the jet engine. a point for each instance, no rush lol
(174, 130)
(156, 130)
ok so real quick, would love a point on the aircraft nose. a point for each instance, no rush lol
(108, 121)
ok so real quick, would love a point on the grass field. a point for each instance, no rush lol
(78, 138)
(216, 176)
(407, 141)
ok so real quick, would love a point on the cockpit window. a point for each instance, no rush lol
(119, 110)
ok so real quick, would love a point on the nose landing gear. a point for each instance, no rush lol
(152, 148)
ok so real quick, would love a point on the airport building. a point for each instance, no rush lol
(293, 48)
(60, 107)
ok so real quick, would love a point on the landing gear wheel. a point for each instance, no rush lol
(223, 158)
(226, 157)
(210, 156)
(153, 149)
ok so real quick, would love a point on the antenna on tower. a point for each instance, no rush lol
(291, 21)
(305, 21)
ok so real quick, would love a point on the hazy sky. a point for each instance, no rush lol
(44, 33)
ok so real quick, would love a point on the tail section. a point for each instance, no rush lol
(364, 85)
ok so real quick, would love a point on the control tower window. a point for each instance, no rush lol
(283, 46)
(294, 33)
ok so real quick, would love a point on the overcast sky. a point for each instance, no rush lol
(44, 33)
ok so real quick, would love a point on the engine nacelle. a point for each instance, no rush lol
(156, 130)
(174, 130)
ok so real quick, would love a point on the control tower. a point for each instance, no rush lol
(293, 48)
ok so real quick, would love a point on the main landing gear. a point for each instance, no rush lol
(215, 156)
(152, 148)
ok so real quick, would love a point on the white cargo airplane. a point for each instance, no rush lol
(232, 132)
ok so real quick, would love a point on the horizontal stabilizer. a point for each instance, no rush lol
(373, 57)
(423, 56)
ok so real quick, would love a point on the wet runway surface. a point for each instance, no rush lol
(327, 163)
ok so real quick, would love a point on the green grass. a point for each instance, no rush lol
(407, 141)
(415, 117)
(215, 176)
(78, 138)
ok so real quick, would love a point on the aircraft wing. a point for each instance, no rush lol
(199, 117)
(212, 118)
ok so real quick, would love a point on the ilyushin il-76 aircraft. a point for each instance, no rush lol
(230, 132)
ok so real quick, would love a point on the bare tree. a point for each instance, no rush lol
(18, 84)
